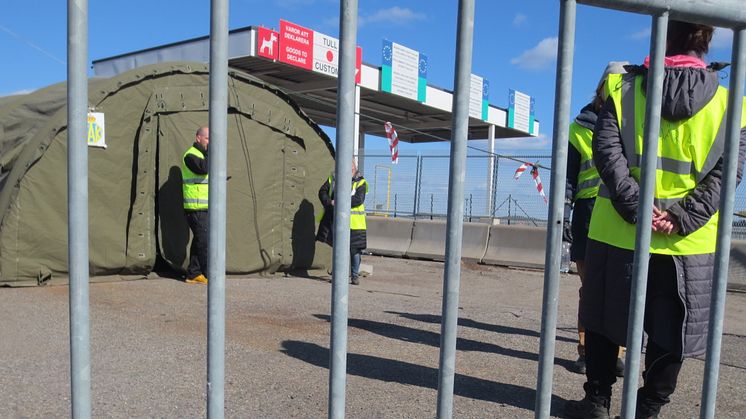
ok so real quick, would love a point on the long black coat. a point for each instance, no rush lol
(358, 238)
(677, 314)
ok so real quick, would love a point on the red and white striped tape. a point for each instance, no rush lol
(393, 142)
(537, 181)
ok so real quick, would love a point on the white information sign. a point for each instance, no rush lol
(325, 54)
(519, 112)
(475, 97)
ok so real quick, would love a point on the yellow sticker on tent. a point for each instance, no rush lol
(96, 130)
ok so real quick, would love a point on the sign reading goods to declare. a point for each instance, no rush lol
(310, 50)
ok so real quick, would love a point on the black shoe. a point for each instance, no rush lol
(355, 280)
(578, 366)
(619, 369)
(588, 408)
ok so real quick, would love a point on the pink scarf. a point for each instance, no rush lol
(679, 61)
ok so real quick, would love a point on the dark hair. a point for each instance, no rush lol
(686, 38)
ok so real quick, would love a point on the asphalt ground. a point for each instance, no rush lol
(148, 347)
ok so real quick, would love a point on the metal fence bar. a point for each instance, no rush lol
(454, 225)
(724, 13)
(556, 206)
(217, 214)
(725, 226)
(645, 212)
(77, 205)
(341, 263)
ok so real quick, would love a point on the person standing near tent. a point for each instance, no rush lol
(358, 234)
(580, 194)
(684, 227)
(195, 187)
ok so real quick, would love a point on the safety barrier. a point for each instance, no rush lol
(737, 265)
(513, 245)
(429, 240)
(389, 236)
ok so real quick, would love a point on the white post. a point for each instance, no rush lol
(490, 167)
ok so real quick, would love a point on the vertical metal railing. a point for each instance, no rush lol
(725, 225)
(77, 206)
(645, 211)
(726, 13)
(556, 207)
(341, 262)
(454, 226)
(217, 213)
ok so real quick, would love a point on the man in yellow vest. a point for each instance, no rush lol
(580, 194)
(195, 183)
(684, 228)
(358, 235)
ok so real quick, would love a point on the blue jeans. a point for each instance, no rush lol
(355, 257)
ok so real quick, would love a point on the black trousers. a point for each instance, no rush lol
(198, 223)
(659, 377)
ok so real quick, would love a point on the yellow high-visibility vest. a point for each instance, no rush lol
(357, 214)
(194, 186)
(687, 150)
(588, 179)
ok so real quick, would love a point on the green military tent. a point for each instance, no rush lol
(277, 160)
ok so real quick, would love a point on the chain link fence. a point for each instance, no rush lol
(418, 187)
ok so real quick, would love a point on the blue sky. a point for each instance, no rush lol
(514, 42)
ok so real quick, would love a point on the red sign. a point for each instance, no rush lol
(267, 40)
(296, 45)
(358, 64)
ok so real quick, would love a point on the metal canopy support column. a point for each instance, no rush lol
(490, 167)
(217, 204)
(454, 226)
(645, 212)
(556, 207)
(77, 206)
(342, 200)
(725, 225)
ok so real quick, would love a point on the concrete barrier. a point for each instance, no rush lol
(512, 245)
(429, 240)
(737, 265)
(388, 236)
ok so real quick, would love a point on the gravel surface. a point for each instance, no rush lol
(148, 347)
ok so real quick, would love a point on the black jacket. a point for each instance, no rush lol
(358, 238)
(196, 164)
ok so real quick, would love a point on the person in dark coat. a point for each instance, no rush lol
(684, 224)
(358, 235)
(582, 182)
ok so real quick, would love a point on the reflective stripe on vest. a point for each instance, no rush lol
(194, 187)
(688, 150)
(357, 214)
(588, 179)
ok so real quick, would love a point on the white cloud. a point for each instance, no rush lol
(722, 39)
(395, 15)
(519, 19)
(538, 57)
(540, 142)
(640, 35)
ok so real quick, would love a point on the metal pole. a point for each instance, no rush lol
(723, 13)
(217, 213)
(645, 212)
(725, 225)
(455, 223)
(342, 200)
(77, 206)
(418, 170)
(563, 90)
(490, 167)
